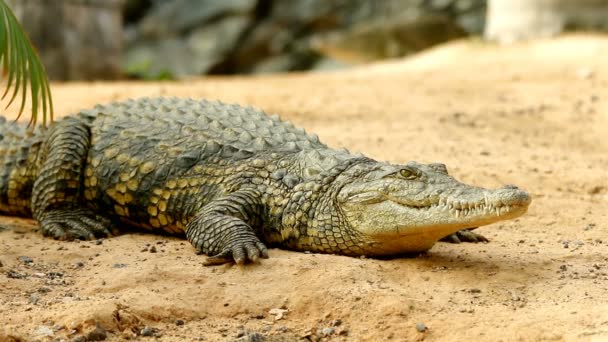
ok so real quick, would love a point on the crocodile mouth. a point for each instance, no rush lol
(412, 221)
(496, 203)
(460, 209)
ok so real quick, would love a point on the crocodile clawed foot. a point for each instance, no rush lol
(241, 253)
(465, 235)
(81, 224)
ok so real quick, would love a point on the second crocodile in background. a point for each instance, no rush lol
(233, 180)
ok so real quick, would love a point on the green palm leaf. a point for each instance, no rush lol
(22, 68)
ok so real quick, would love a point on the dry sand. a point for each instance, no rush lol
(535, 115)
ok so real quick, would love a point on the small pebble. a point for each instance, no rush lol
(44, 289)
(119, 265)
(421, 327)
(34, 299)
(153, 249)
(44, 330)
(179, 322)
(79, 338)
(25, 259)
(15, 275)
(252, 337)
(147, 331)
(328, 331)
(54, 275)
(97, 334)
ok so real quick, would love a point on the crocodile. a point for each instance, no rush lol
(232, 180)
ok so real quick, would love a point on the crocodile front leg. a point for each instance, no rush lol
(57, 201)
(223, 229)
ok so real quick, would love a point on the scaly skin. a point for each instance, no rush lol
(233, 180)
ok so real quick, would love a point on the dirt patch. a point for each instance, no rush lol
(535, 115)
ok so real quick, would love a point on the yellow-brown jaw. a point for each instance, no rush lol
(407, 209)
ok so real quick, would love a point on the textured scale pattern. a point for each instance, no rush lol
(231, 179)
(179, 165)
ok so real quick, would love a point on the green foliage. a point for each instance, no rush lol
(142, 71)
(22, 68)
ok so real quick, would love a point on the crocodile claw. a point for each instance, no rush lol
(465, 235)
(74, 224)
(241, 253)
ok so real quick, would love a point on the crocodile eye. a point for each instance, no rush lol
(407, 174)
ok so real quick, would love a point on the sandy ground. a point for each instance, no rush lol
(535, 115)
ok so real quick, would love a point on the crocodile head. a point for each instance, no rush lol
(407, 208)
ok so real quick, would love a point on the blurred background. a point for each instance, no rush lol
(175, 39)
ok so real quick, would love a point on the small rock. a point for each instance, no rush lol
(97, 334)
(79, 264)
(26, 260)
(421, 327)
(43, 330)
(44, 289)
(119, 265)
(179, 322)
(252, 337)
(278, 313)
(590, 226)
(34, 299)
(54, 275)
(15, 275)
(328, 331)
(336, 322)
(148, 331)
(1, 264)
(475, 290)
(99, 241)
(153, 249)
(79, 338)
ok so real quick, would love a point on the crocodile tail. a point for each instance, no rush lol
(19, 148)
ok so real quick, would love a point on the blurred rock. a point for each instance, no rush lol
(516, 20)
(77, 39)
(187, 37)
(192, 54)
(172, 18)
(83, 39)
(392, 38)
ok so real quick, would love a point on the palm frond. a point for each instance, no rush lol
(22, 68)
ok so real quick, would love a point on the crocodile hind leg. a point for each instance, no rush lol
(223, 229)
(57, 201)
